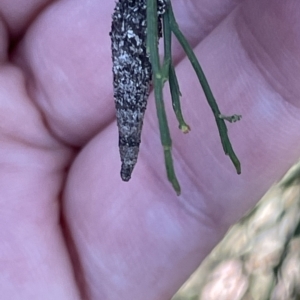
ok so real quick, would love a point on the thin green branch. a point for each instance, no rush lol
(205, 86)
(175, 94)
(173, 82)
(158, 82)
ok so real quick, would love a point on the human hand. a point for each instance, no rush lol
(69, 227)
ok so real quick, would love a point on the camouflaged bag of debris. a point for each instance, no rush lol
(259, 258)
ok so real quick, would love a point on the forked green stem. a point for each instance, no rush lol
(171, 75)
(206, 89)
(158, 82)
(167, 72)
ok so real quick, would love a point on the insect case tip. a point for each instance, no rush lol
(126, 171)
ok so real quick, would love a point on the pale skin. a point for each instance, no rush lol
(69, 227)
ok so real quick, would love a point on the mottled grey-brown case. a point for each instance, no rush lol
(132, 74)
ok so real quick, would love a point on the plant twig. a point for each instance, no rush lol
(171, 75)
(158, 82)
(206, 89)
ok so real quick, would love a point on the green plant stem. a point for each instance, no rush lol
(158, 82)
(171, 75)
(206, 89)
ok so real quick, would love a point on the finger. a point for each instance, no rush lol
(67, 57)
(138, 240)
(34, 261)
(18, 15)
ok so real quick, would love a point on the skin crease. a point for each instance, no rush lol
(69, 227)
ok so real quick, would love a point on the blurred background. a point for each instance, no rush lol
(259, 258)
